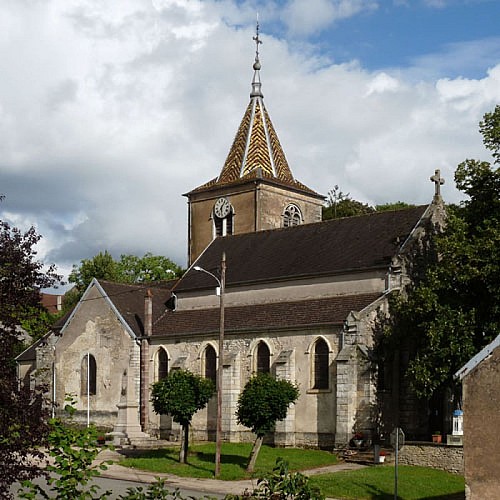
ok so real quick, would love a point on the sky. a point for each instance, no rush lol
(111, 111)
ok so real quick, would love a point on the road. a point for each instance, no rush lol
(120, 486)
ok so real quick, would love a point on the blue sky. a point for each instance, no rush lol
(392, 34)
(109, 111)
(399, 35)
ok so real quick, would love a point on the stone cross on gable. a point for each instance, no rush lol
(438, 182)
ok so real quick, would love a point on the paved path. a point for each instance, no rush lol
(206, 486)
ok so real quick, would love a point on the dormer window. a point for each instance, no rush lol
(292, 216)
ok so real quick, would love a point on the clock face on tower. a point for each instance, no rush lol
(222, 207)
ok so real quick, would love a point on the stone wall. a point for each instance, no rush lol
(437, 456)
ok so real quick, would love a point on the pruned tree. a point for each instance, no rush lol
(181, 395)
(22, 414)
(263, 402)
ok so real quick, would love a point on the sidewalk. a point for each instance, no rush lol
(206, 486)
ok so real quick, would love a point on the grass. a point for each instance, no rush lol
(234, 458)
(374, 483)
(378, 483)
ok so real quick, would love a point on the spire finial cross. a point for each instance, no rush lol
(438, 182)
(257, 40)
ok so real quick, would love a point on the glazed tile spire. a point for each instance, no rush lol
(256, 150)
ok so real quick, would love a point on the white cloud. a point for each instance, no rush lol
(110, 111)
(382, 83)
(305, 17)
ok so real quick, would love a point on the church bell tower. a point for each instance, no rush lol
(255, 189)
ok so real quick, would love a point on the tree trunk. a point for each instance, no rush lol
(254, 453)
(184, 444)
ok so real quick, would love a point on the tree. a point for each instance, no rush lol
(22, 414)
(262, 403)
(132, 269)
(452, 309)
(339, 204)
(181, 395)
(101, 266)
(397, 205)
(129, 269)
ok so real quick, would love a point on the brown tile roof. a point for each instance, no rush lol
(320, 249)
(275, 315)
(129, 301)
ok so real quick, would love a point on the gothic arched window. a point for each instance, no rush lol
(320, 365)
(263, 358)
(292, 216)
(210, 363)
(88, 375)
(161, 364)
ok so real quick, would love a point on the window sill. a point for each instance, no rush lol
(318, 391)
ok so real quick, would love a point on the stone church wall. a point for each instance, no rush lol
(310, 422)
(95, 330)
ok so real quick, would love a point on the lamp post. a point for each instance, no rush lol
(222, 283)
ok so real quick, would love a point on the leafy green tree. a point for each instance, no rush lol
(262, 403)
(129, 269)
(101, 266)
(397, 205)
(452, 311)
(339, 204)
(133, 269)
(22, 414)
(181, 395)
(37, 322)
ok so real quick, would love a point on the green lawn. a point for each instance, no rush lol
(378, 483)
(374, 482)
(233, 463)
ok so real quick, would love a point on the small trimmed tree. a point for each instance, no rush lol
(181, 395)
(262, 403)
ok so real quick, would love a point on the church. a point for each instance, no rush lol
(301, 298)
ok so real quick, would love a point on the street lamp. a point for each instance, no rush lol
(221, 282)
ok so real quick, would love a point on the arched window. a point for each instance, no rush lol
(210, 361)
(292, 216)
(263, 358)
(320, 365)
(88, 375)
(162, 364)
